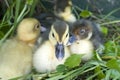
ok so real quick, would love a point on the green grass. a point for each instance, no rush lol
(104, 67)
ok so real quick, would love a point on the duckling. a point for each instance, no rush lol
(53, 50)
(63, 10)
(88, 38)
(16, 52)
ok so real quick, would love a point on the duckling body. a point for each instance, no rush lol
(83, 47)
(15, 59)
(16, 53)
(52, 51)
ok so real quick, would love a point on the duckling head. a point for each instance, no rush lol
(63, 9)
(82, 29)
(28, 30)
(59, 36)
(62, 6)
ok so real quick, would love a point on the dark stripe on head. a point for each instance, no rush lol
(60, 5)
(60, 27)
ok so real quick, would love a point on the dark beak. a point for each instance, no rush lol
(72, 39)
(59, 51)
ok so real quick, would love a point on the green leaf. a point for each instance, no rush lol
(30, 2)
(73, 61)
(113, 64)
(112, 74)
(1, 34)
(107, 76)
(61, 68)
(85, 13)
(115, 74)
(118, 47)
(104, 30)
(32, 10)
(17, 9)
(101, 75)
(110, 49)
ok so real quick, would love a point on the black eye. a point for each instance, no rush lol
(82, 31)
(37, 26)
(66, 34)
(53, 35)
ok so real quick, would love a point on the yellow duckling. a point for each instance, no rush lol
(53, 50)
(83, 32)
(16, 53)
(63, 10)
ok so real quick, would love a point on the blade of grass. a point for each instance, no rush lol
(94, 75)
(109, 14)
(13, 27)
(107, 77)
(6, 35)
(6, 3)
(33, 8)
(111, 22)
(3, 20)
(78, 17)
(79, 9)
(17, 9)
(79, 72)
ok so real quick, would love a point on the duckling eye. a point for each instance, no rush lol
(53, 35)
(66, 34)
(82, 31)
(37, 26)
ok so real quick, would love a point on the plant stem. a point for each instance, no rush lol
(7, 3)
(111, 22)
(13, 27)
(109, 14)
(6, 35)
(23, 11)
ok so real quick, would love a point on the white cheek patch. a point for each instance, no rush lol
(65, 39)
(89, 36)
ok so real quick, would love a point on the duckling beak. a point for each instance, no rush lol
(43, 29)
(59, 51)
(71, 39)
